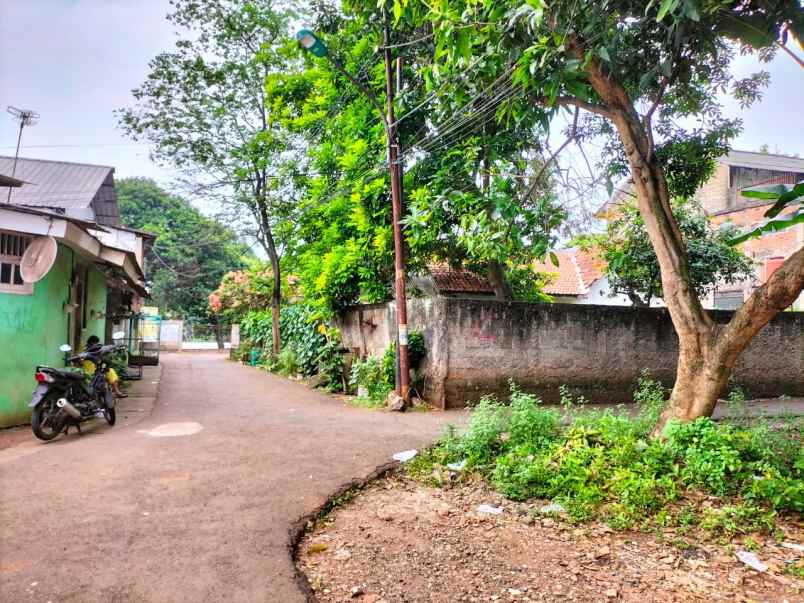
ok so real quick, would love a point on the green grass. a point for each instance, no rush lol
(604, 465)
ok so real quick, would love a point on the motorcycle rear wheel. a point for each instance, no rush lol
(44, 421)
(110, 415)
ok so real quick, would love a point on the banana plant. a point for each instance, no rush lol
(783, 197)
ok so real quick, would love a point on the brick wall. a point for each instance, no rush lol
(772, 245)
(475, 346)
(714, 193)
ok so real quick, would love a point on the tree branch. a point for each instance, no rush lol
(586, 105)
(778, 293)
(573, 134)
(651, 111)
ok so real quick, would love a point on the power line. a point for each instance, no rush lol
(459, 116)
(78, 146)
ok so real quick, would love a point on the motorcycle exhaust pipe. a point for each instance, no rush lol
(71, 410)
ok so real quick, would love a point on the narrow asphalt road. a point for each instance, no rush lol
(123, 515)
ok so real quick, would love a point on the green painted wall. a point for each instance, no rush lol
(96, 306)
(32, 327)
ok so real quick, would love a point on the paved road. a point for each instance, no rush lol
(121, 515)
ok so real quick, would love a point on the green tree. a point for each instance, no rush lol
(204, 109)
(469, 199)
(191, 253)
(632, 265)
(637, 68)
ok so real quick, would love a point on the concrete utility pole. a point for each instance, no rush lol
(396, 203)
(310, 42)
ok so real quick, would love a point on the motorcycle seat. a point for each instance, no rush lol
(64, 374)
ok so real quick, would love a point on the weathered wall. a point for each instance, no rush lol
(32, 327)
(475, 346)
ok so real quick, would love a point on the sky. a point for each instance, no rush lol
(76, 61)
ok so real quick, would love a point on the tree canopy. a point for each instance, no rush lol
(470, 199)
(633, 269)
(191, 254)
(481, 86)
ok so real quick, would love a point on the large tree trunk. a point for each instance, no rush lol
(500, 284)
(276, 295)
(707, 352)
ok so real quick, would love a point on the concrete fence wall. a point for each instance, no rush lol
(171, 335)
(475, 346)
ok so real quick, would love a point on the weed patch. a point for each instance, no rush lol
(604, 464)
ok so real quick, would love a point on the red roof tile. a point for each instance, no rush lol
(576, 271)
(450, 280)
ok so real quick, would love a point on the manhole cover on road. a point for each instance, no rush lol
(169, 430)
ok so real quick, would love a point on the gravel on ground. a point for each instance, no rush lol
(401, 541)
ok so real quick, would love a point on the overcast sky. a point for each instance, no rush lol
(76, 61)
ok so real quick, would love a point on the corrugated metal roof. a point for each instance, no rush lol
(764, 161)
(54, 183)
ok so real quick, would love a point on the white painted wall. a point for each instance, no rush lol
(598, 294)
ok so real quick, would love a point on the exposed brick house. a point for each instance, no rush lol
(721, 197)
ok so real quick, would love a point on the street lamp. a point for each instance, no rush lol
(311, 43)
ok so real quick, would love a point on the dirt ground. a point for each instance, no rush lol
(399, 541)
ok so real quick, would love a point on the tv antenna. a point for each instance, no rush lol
(26, 117)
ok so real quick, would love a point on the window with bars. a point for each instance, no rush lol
(12, 246)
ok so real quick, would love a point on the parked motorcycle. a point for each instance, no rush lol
(65, 398)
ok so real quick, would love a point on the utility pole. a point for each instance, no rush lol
(396, 204)
(311, 43)
(27, 117)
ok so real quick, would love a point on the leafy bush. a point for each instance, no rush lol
(650, 397)
(368, 373)
(287, 363)
(298, 329)
(330, 361)
(416, 351)
(603, 464)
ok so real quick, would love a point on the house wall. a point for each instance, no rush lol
(32, 327)
(598, 294)
(714, 193)
(775, 244)
(474, 347)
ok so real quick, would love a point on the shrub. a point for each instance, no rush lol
(650, 397)
(416, 351)
(298, 329)
(603, 464)
(481, 442)
(287, 363)
(368, 373)
(330, 361)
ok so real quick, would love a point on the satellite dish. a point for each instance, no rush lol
(38, 259)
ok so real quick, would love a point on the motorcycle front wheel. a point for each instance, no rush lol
(46, 422)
